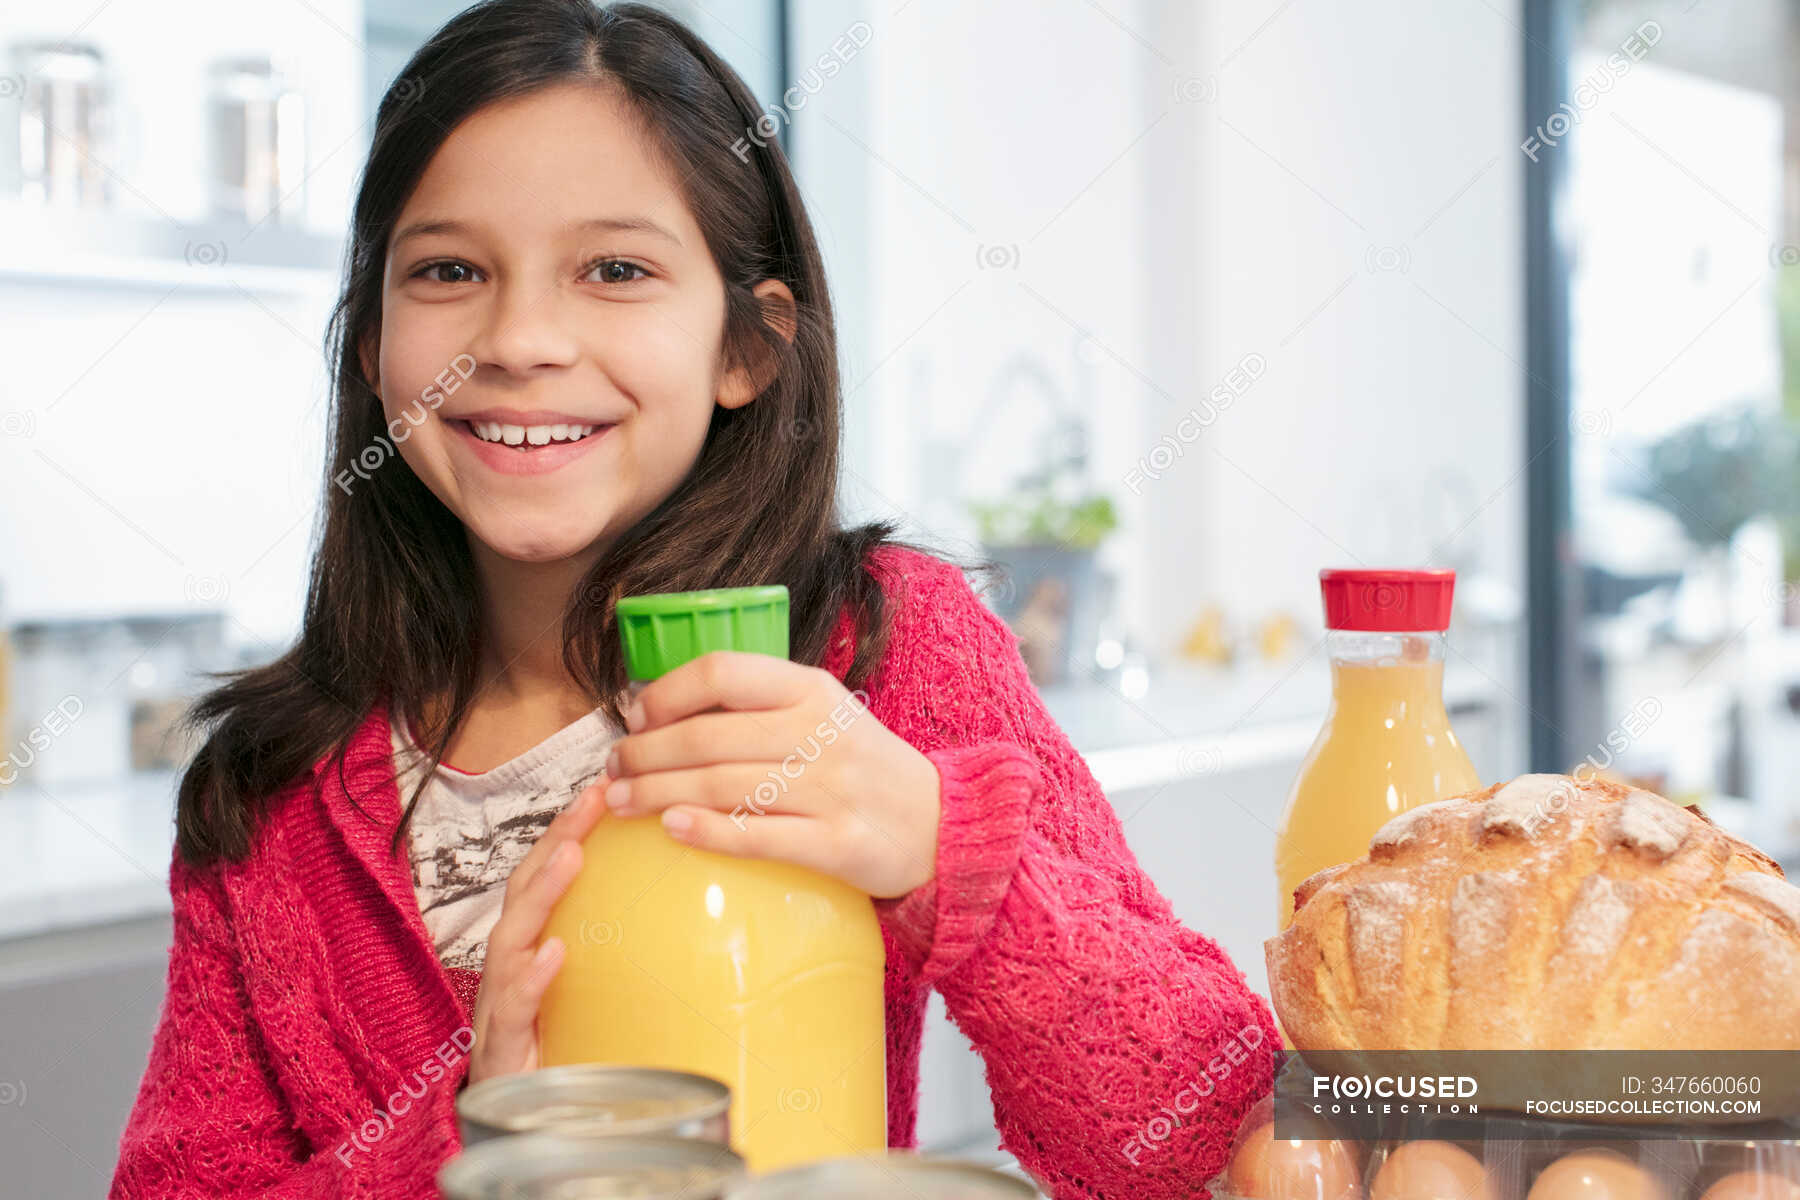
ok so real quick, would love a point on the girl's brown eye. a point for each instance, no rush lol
(616, 270)
(430, 270)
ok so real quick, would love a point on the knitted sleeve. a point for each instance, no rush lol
(1121, 1048)
(209, 1119)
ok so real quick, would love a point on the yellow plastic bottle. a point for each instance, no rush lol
(764, 976)
(1387, 744)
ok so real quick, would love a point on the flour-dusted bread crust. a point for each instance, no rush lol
(1545, 913)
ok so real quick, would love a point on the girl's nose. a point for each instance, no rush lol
(526, 328)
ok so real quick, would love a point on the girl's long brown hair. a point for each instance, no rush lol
(391, 608)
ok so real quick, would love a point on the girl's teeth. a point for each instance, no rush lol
(531, 435)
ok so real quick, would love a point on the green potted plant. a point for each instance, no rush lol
(1045, 535)
(1720, 472)
(1717, 473)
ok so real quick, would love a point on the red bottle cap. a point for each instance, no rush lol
(1383, 601)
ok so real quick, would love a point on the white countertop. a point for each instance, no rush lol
(1193, 721)
(85, 854)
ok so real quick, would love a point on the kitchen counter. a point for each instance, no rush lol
(96, 853)
(1193, 721)
(85, 854)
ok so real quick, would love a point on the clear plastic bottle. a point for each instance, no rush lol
(1387, 744)
(765, 976)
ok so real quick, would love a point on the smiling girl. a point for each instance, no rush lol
(601, 345)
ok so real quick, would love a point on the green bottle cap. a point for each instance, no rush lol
(664, 630)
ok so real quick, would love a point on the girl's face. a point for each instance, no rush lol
(551, 326)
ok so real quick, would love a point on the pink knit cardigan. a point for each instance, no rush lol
(311, 1043)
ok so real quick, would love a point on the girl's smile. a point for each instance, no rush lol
(526, 442)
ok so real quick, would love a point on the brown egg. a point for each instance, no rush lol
(1431, 1170)
(1596, 1175)
(1270, 1168)
(1753, 1185)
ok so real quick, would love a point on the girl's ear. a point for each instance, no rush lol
(744, 382)
(368, 358)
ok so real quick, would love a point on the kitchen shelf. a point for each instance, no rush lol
(48, 245)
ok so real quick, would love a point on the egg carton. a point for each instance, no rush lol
(1508, 1157)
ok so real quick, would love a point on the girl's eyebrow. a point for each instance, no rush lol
(592, 224)
(623, 225)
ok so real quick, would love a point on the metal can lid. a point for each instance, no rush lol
(548, 1166)
(590, 1098)
(890, 1176)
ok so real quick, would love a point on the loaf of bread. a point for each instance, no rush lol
(1545, 913)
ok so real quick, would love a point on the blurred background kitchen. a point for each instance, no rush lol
(1166, 306)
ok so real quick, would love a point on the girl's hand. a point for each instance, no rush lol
(517, 969)
(795, 769)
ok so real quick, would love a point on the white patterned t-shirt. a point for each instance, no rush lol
(471, 829)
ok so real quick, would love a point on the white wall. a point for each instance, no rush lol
(977, 176)
(1360, 190)
(1334, 189)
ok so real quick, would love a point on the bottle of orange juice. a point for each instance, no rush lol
(1387, 745)
(765, 976)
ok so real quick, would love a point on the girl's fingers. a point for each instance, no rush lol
(727, 679)
(518, 970)
(505, 1016)
(527, 907)
(739, 788)
(802, 841)
(710, 738)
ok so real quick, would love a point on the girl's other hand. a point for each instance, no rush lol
(518, 970)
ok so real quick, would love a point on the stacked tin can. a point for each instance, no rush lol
(596, 1130)
(574, 1131)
